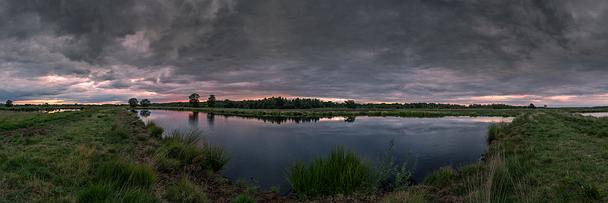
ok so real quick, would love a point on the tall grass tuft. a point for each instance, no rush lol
(442, 177)
(123, 174)
(192, 136)
(154, 130)
(342, 172)
(185, 191)
(182, 149)
(183, 152)
(215, 159)
(97, 193)
(495, 130)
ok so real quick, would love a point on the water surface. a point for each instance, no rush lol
(596, 114)
(262, 149)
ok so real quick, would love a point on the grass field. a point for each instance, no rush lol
(49, 157)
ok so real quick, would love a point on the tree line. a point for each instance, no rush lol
(194, 100)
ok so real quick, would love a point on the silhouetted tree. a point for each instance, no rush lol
(145, 102)
(211, 101)
(350, 104)
(133, 102)
(532, 106)
(8, 103)
(194, 99)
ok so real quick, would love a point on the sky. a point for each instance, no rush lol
(552, 52)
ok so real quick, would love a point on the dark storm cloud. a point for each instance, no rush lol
(387, 50)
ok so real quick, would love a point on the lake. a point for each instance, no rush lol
(261, 150)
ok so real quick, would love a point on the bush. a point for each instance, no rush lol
(122, 174)
(342, 172)
(243, 198)
(185, 192)
(215, 159)
(154, 130)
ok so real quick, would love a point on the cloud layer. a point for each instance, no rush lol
(462, 51)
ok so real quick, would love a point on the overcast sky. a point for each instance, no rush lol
(551, 52)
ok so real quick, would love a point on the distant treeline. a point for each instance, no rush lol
(307, 103)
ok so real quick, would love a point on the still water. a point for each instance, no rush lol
(596, 114)
(262, 150)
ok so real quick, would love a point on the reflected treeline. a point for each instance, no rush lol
(282, 120)
(193, 118)
(144, 113)
(210, 118)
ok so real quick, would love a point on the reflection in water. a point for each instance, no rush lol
(262, 149)
(144, 113)
(61, 110)
(193, 118)
(596, 114)
(210, 119)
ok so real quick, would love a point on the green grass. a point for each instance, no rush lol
(215, 158)
(440, 177)
(123, 174)
(342, 172)
(186, 192)
(243, 198)
(182, 149)
(412, 196)
(54, 157)
(109, 193)
(154, 130)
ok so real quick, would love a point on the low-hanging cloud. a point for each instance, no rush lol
(462, 51)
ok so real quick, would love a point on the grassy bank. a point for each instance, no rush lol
(50, 157)
(540, 157)
(107, 155)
